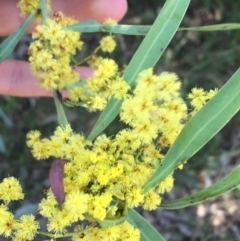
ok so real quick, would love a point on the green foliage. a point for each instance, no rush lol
(215, 27)
(10, 42)
(197, 132)
(226, 184)
(93, 26)
(200, 129)
(62, 119)
(148, 232)
(148, 53)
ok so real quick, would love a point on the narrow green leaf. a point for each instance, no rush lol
(62, 119)
(146, 56)
(200, 129)
(7, 46)
(148, 232)
(215, 27)
(226, 184)
(91, 26)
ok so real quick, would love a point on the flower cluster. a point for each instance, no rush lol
(105, 177)
(101, 179)
(93, 93)
(28, 6)
(51, 52)
(155, 109)
(24, 228)
(199, 97)
(106, 81)
(107, 44)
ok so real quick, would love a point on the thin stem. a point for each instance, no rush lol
(86, 58)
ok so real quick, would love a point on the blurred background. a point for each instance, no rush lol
(202, 59)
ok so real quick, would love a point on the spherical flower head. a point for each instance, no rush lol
(168, 85)
(111, 233)
(119, 88)
(97, 103)
(40, 149)
(50, 31)
(107, 44)
(165, 185)
(177, 107)
(33, 137)
(102, 142)
(48, 206)
(59, 221)
(26, 228)
(170, 131)
(99, 213)
(151, 200)
(128, 232)
(77, 204)
(110, 22)
(146, 79)
(58, 217)
(135, 197)
(103, 176)
(103, 200)
(128, 112)
(107, 69)
(63, 132)
(145, 130)
(7, 221)
(10, 190)
(76, 93)
(197, 97)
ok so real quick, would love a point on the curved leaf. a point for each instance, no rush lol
(226, 184)
(146, 56)
(200, 129)
(148, 232)
(7, 46)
